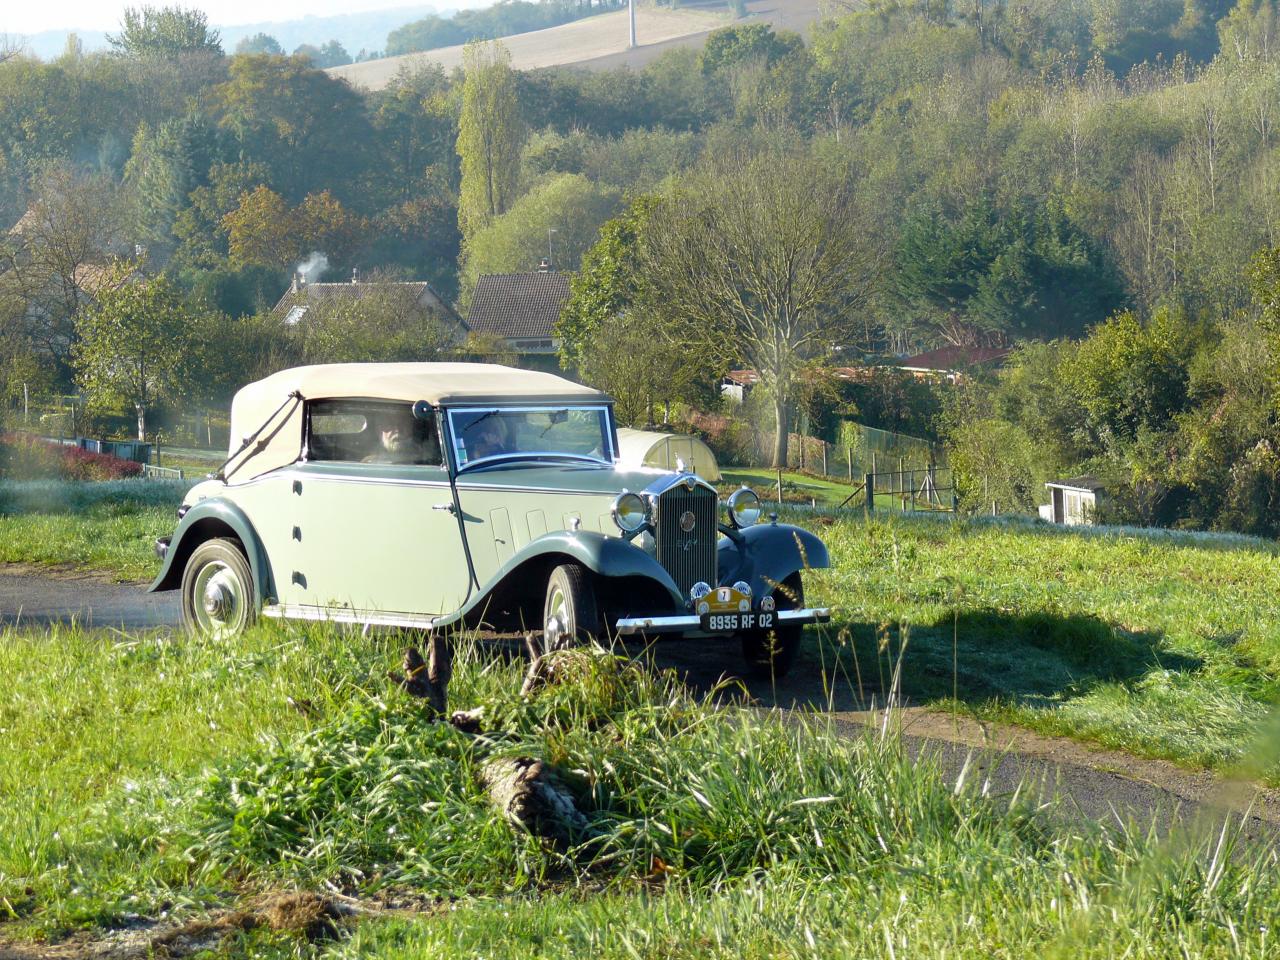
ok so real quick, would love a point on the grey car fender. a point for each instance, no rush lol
(603, 555)
(206, 520)
(766, 554)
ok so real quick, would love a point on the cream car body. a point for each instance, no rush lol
(299, 524)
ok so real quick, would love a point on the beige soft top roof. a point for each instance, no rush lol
(268, 402)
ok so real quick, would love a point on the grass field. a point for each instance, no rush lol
(109, 527)
(1165, 645)
(158, 776)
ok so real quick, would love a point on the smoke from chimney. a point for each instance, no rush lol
(311, 268)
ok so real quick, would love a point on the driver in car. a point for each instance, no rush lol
(397, 442)
(489, 439)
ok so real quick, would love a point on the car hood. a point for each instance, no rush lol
(576, 477)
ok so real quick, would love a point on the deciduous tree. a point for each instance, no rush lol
(771, 252)
(164, 32)
(490, 136)
(133, 343)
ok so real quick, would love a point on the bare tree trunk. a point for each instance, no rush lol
(142, 422)
(780, 419)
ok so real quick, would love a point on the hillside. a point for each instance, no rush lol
(597, 42)
(569, 43)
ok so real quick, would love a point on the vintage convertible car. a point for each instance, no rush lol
(437, 494)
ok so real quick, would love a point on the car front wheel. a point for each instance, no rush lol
(218, 595)
(570, 615)
(771, 653)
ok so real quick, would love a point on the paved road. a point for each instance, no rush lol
(1096, 785)
(90, 601)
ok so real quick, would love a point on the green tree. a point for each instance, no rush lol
(1131, 377)
(133, 344)
(733, 46)
(997, 275)
(605, 287)
(164, 33)
(331, 54)
(385, 323)
(165, 165)
(771, 252)
(516, 240)
(310, 129)
(639, 367)
(261, 230)
(996, 464)
(415, 120)
(202, 239)
(490, 137)
(259, 43)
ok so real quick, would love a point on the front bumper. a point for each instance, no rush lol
(692, 623)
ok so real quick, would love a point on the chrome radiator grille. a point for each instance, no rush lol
(688, 555)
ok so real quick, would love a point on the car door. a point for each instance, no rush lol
(373, 537)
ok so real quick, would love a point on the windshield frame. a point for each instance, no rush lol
(610, 434)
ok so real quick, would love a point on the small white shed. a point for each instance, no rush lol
(1072, 502)
(644, 448)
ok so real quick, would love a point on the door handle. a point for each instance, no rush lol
(444, 506)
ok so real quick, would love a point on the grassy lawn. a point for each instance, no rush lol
(803, 488)
(796, 487)
(156, 773)
(1163, 645)
(109, 527)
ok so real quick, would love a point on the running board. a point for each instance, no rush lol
(285, 611)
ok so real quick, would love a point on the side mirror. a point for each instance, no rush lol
(423, 411)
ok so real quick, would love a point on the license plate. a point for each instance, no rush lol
(736, 622)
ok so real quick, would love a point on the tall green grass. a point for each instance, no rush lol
(160, 772)
(1165, 644)
(109, 526)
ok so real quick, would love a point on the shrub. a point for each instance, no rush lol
(24, 457)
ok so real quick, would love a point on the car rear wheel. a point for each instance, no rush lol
(218, 595)
(570, 615)
(771, 653)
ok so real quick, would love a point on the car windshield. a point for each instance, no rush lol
(493, 433)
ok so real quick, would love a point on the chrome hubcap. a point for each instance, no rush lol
(557, 625)
(220, 600)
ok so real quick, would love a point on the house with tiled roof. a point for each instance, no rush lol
(303, 299)
(520, 308)
(952, 363)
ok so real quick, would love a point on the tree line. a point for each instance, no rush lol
(911, 174)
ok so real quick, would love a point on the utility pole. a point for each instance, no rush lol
(631, 13)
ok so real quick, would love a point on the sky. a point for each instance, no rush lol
(21, 18)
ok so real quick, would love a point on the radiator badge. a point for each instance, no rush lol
(688, 521)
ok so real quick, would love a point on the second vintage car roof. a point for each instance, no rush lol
(267, 401)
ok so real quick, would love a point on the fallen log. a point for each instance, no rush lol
(533, 798)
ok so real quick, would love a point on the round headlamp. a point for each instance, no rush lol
(744, 507)
(630, 512)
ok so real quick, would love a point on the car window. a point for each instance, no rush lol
(369, 431)
(533, 432)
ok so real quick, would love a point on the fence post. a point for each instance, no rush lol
(848, 452)
(779, 488)
(871, 493)
(913, 491)
(824, 457)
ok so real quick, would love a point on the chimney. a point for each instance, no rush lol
(544, 266)
(355, 274)
(297, 282)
